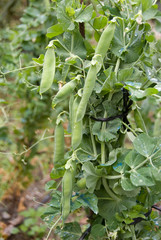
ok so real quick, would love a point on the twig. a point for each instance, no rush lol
(52, 228)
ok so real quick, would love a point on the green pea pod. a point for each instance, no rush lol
(48, 70)
(64, 92)
(101, 49)
(67, 193)
(68, 184)
(59, 146)
(87, 91)
(76, 126)
(71, 100)
(139, 120)
(105, 39)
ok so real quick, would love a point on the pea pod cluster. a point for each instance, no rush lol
(101, 49)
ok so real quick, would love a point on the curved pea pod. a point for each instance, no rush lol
(76, 126)
(105, 39)
(48, 70)
(68, 184)
(101, 49)
(87, 91)
(59, 146)
(139, 120)
(64, 92)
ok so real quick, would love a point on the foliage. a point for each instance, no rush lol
(113, 165)
(122, 181)
(31, 225)
(24, 115)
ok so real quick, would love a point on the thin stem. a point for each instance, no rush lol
(72, 42)
(108, 190)
(145, 129)
(16, 70)
(113, 177)
(133, 232)
(94, 28)
(128, 15)
(117, 66)
(28, 149)
(100, 3)
(52, 228)
(103, 155)
(141, 164)
(130, 128)
(92, 139)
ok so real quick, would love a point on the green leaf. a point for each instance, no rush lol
(98, 231)
(39, 60)
(126, 184)
(89, 200)
(70, 44)
(144, 144)
(70, 11)
(84, 156)
(156, 173)
(109, 208)
(146, 4)
(109, 133)
(108, 85)
(50, 213)
(151, 91)
(70, 231)
(55, 30)
(133, 51)
(142, 177)
(85, 15)
(57, 173)
(100, 22)
(113, 155)
(133, 159)
(152, 13)
(50, 185)
(125, 74)
(15, 230)
(62, 15)
(137, 94)
(92, 176)
(120, 166)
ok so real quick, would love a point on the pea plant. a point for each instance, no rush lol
(101, 60)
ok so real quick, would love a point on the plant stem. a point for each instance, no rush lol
(103, 155)
(130, 129)
(92, 139)
(133, 232)
(117, 66)
(19, 69)
(108, 190)
(113, 177)
(53, 227)
(103, 160)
